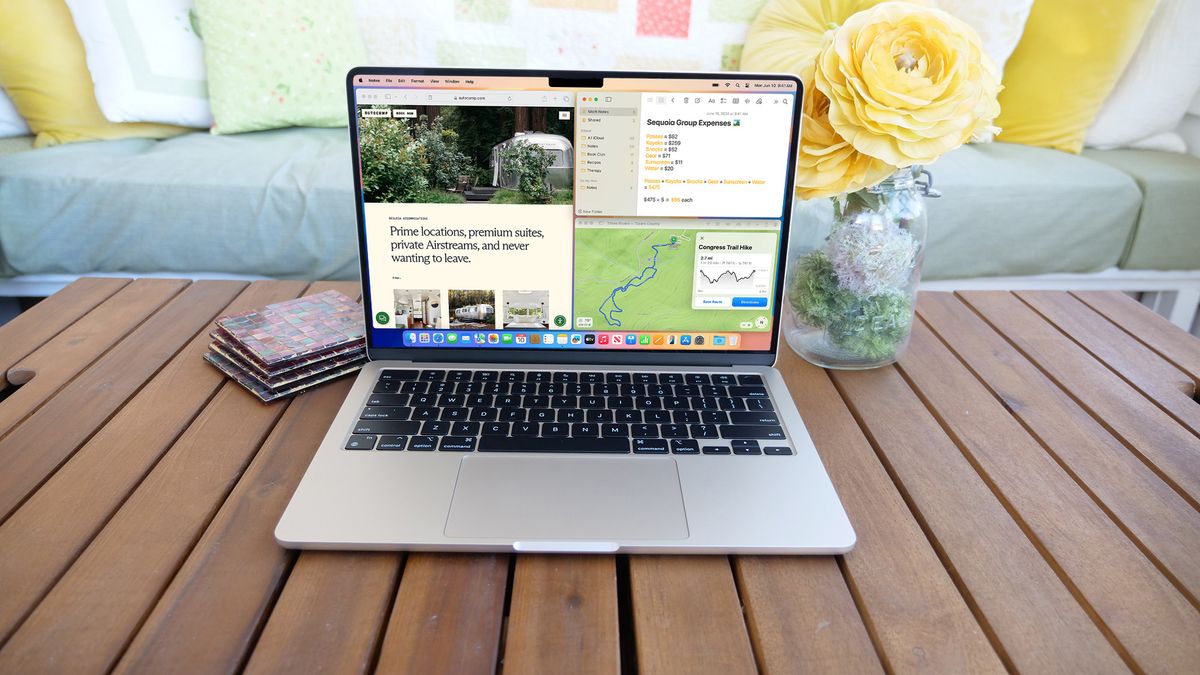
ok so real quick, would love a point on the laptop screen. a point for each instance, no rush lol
(524, 213)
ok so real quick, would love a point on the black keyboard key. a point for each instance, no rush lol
(524, 428)
(747, 450)
(687, 390)
(512, 414)
(753, 418)
(566, 377)
(570, 415)
(532, 444)
(387, 399)
(392, 443)
(716, 449)
(555, 429)
(676, 403)
(750, 379)
(578, 389)
(564, 401)
(744, 443)
(774, 433)
(729, 403)
(420, 443)
(469, 387)
(361, 442)
(705, 403)
(674, 431)
(659, 390)
(480, 401)
(585, 429)
(424, 400)
(748, 392)
(633, 390)
(535, 401)
(541, 415)
(652, 446)
(685, 417)
(759, 404)
(451, 400)
(430, 375)
(465, 429)
(724, 378)
(455, 414)
(523, 388)
(512, 376)
(384, 413)
(645, 378)
(704, 431)
(537, 376)
(697, 378)
(618, 378)
(644, 430)
(399, 375)
(591, 378)
(648, 402)
(777, 450)
(508, 401)
(426, 413)
(458, 444)
(414, 387)
(387, 386)
(442, 387)
(484, 414)
(714, 417)
(485, 376)
(606, 389)
(458, 375)
(615, 429)
(599, 415)
(385, 427)
(670, 378)
(493, 388)
(436, 428)
(714, 390)
(550, 388)
(591, 401)
(685, 447)
(495, 428)
(628, 415)
(657, 416)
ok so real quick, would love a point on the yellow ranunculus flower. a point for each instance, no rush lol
(827, 165)
(907, 83)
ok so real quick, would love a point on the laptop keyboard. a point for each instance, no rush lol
(569, 412)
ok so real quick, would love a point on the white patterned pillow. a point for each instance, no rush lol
(1000, 23)
(146, 60)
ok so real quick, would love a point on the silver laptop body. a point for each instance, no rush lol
(512, 402)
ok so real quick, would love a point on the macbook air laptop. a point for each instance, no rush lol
(572, 284)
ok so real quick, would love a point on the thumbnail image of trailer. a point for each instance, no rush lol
(467, 154)
(473, 309)
(417, 308)
(526, 309)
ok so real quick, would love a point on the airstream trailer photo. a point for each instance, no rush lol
(472, 309)
(526, 309)
(467, 154)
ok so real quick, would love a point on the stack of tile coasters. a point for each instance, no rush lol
(291, 346)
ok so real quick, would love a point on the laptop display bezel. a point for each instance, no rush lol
(585, 355)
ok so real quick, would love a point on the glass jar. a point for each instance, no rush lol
(854, 263)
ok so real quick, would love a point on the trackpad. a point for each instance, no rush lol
(553, 498)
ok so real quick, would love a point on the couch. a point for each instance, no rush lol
(279, 204)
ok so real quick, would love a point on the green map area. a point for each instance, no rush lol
(641, 279)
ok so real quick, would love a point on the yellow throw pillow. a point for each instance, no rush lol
(44, 71)
(1068, 61)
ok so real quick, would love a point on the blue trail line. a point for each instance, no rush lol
(611, 315)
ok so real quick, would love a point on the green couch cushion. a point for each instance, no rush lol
(15, 144)
(276, 203)
(1015, 210)
(1167, 236)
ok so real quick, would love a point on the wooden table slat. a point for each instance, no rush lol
(92, 397)
(676, 596)
(41, 538)
(1003, 572)
(1171, 449)
(235, 570)
(55, 363)
(916, 615)
(87, 619)
(35, 326)
(1132, 492)
(348, 594)
(564, 611)
(1152, 330)
(1146, 614)
(447, 616)
(1158, 379)
(801, 616)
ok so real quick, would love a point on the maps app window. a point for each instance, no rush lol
(524, 208)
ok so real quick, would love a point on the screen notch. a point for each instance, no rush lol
(578, 82)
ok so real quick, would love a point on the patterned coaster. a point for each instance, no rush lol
(296, 328)
(267, 394)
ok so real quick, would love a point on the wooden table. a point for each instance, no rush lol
(1025, 485)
